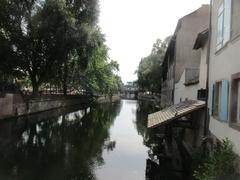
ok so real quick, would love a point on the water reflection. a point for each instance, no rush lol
(105, 142)
(127, 161)
(56, 144)
(159, 166)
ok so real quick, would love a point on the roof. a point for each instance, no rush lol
(204, 6)
(173, 112)
(201, 39)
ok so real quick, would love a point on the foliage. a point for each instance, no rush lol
(219, 165)
(149, 69)
(100, 77)
(55, 43)
(39, 38)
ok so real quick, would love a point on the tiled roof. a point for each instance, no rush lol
(174, 112)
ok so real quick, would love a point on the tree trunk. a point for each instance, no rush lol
(35, 86)
(64, 88)
(65, 74)
(110, 95)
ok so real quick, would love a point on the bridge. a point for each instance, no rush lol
(129, 91)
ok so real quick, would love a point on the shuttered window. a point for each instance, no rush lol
(238, 102)
(224, 101)
(235, 99)
(218, 100)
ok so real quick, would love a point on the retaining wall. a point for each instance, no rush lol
(16, 105)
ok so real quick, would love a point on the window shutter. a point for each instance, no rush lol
(210, 98)
(227, 20)
(224, 101)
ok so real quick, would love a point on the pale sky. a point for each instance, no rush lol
(132, 26)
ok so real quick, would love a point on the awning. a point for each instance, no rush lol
(201, 39)
(173, 112)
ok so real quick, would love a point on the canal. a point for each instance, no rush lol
(104, 142)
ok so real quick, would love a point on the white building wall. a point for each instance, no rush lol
(182, 92)
(221, 130)
(190, 92)
(222, 65)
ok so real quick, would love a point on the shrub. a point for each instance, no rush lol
(220, 164)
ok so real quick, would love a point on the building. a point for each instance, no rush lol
(187, 75)
(129, 90)
(224, 71)
(184, 81)
(192, 83)
(181, 66)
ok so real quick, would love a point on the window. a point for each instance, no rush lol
(202, 94)
(235, 99)
(235, 18)
(218, 100)
(224, 23)
(220, 28)
(238, 102)
(191, 76)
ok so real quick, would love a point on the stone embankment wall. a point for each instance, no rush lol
(104, 99)
(16, 105)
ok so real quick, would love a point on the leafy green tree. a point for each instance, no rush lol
(100, 76)
(149, 69)
(71, 73)
(37, 38)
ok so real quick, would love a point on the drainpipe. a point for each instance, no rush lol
(174, 68)
(207, 117)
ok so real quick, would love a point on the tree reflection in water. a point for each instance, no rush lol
(158, 165)
(66, 146)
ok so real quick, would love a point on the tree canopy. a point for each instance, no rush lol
(51, 41)
(149, 69)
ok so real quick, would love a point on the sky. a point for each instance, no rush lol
(132, 26)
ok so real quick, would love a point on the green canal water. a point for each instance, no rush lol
(104, 142)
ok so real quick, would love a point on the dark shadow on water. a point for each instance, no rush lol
(158, 165)
(61, 144)
(69, 143)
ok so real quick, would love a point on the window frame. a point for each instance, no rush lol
(235, 33)
(220, 34)
(224, 21)
(234, 104)
(220, 100)
(217, 99)
(238, 102)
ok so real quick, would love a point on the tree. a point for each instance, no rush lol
(37, 38)
(149, 69)
(100, 74)
(71, 72)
